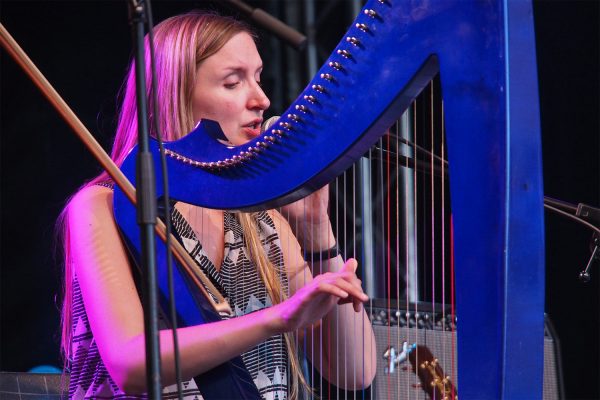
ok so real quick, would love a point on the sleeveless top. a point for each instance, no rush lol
(237, 279)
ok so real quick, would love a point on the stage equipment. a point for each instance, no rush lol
(268, 22)
(585, 215)
(139, 14)
(399, 329)
(26, 385)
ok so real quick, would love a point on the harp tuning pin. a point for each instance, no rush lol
(294, 117)
(344, 53)
(319, 88)
(362, 27)
(353, 40)
(328, 77)
(285, 125)
(371, 13)
(310, 98)
(277, 132)
(301, 108)
(270, 139)
(335, 65)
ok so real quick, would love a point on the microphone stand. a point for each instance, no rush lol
(585, 215)
(146, 201)
(270, 23)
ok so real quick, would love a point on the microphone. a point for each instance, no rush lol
(268, 123)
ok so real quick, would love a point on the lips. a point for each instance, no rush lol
(253, 128)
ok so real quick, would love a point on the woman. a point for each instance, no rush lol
(208, 67)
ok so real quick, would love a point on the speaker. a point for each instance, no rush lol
(32, 386)
(417, 357)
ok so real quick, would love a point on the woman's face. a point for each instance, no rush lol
(228, 90)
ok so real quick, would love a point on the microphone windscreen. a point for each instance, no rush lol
(267, 124)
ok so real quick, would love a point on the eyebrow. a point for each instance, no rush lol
(235, 69)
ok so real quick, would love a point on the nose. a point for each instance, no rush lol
(258, 99)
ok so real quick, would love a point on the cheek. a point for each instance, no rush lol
(222, 111)
(200, 108)
(231, 108)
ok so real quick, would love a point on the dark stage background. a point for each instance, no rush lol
(83, 48)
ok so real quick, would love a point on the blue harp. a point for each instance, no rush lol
(484, 53)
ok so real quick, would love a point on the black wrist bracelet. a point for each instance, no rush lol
(323, 254)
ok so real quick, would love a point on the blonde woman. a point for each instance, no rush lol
(208, 67)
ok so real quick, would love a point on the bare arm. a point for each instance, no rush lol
(115, 312)
(342, 346)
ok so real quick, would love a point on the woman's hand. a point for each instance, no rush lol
(309, 220)
(315, 299)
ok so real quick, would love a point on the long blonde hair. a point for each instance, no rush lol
(181, 43)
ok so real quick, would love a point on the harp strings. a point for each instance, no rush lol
(409, 256)
(413, 172)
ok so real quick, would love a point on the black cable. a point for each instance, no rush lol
(166, 204)
(573, 217)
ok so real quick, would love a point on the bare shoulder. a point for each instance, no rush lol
(91, 200)
(90, 214)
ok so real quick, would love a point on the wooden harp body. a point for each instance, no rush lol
(484, 52)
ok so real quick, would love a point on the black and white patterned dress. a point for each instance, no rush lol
(240, 282)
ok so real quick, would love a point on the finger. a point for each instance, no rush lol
(334, 290)
(350, 265)
(357, 304)
(347, 300)
(353, 290)
(350, 277)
